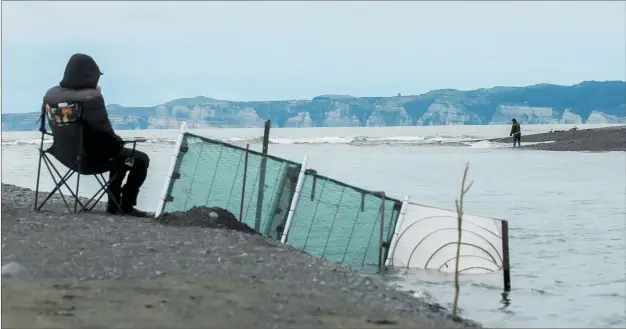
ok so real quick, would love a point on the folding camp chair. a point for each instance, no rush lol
(68, 126)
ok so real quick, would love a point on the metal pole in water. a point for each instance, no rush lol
(170, 171)
(505, 258)
(396, 233)
(243, 186)
(381, 261)
(294, 200)
(259, 204)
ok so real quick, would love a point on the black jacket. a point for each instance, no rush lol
(516, 129)
(80, 83)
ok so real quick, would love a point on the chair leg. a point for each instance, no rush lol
(110, 194)
(57, 187)
(77, 186)
(95, 198)
(50, 164)
(105, 189)
(80, 162)
(41, 155)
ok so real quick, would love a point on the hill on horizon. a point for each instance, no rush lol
(585, 102)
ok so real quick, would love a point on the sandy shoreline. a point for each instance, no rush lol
(95, 270)
(592, 140)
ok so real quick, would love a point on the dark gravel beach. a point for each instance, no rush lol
(97, 270)
(600, 139)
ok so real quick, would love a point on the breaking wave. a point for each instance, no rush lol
(362, 140)
(25, 141)
(36, 141)
(463, 140)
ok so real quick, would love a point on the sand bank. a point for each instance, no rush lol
(599, 139)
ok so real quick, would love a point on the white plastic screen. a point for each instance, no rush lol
(426, 238)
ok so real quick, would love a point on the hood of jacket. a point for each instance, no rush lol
(81, 72)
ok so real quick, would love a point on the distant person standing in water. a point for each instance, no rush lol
(516, 132)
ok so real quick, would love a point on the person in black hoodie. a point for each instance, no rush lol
(80, 84)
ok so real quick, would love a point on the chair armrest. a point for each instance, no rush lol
(134, 140)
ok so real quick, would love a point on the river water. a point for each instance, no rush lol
(566, 210)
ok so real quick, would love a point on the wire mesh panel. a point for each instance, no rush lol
(211, 173)
(331, 219)
(341, 222)
(427, 238)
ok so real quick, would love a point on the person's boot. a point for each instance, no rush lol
(129, 200)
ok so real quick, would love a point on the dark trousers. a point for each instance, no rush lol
(136, 176)
(517, 138)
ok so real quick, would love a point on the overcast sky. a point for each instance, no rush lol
(153, 52)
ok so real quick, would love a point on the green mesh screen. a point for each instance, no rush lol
(211, 174)
(340, 222)
(332, 220)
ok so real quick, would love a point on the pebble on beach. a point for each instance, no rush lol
(14, 270)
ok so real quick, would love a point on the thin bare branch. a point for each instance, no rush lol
(459, 211)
